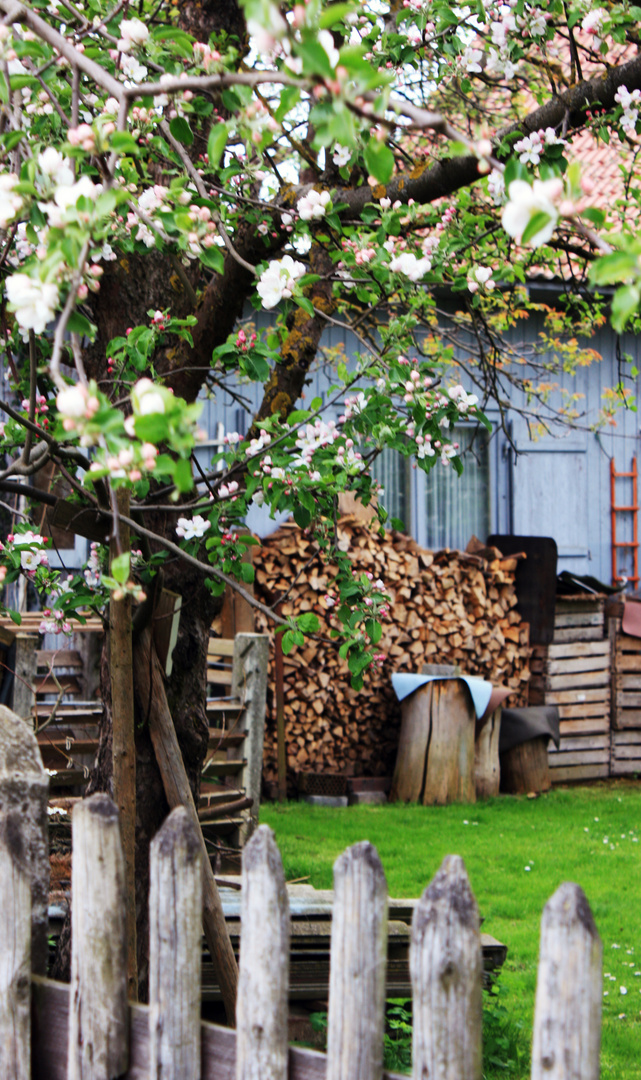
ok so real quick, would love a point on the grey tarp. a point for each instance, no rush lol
(521, 725)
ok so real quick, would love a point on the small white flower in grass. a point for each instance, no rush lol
(527, 868)
(313, 206)
(341, 155)
(33, 301)
(525, 201)
(194, 529)
(615, 946)
(623, 989)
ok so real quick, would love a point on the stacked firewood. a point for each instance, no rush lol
(447, 607)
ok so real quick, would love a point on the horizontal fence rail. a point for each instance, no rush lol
(89, 1032)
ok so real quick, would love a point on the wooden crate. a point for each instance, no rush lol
(626, 678)
(574, 673)
(626, 753)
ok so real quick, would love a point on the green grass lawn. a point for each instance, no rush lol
(591, 835)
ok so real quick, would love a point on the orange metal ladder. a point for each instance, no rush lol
(633, 509)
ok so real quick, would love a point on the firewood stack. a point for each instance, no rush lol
(447, 607)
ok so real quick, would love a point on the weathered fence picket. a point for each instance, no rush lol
(175, 934)
(263, 977)
(98, 1021)
(567, 1017)
(87, 1031)
(445, 965)
(356, 1021)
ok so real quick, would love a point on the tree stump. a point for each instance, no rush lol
(435, 762)
(487, 770)
(525, 768)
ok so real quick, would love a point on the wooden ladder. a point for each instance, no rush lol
(633, 509)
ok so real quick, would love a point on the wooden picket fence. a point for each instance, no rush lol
(88, 1031)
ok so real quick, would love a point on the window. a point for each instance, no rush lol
(458, 507)
(391, 470)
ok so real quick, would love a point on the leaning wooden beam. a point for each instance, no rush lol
(123, 741)
(150, 687)
(567, 1012)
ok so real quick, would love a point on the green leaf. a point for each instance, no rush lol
(374, 631)
(613, 268)
(216, 144)
(183, 478)
(181, 130)
(120, 568)
(333, 14)
(15, 617)
(625, 303)
(288, 642)
(153, 428)
(535, 225)
(308, 623)
(379, 160)
(79, 325)
(123, 143)
(213, 258)
(247, 572)
(302, 517)
(315, 58)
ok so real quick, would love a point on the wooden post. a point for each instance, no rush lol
(356, 1022)
(567, 1011)
(261, 1014)
(249, 684)
(99, 1020)
(24, 678)
(281, 745)
(175, 931)
(24, 790)
(445, 966)
(123, 742)
(525, 768)
(487, 771)
(150, 687)
(15, 953)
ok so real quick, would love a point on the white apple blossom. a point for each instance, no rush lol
(278, 280)
(480, 275)
(499, 63)
(525, 201)
(269, 29)
(496, 186)
(593, 24)
(33, 301)
(55, 166)
(67, 195)
(630, 103)
(471, 59)
(10, 201)
(146, 398)
(72, 402)
(327, 41)
(132, 32)
(194, 529)
(406, 263)
(313, 205)
(133, 70)
(530, 148)
(464, 401)
(341, 155)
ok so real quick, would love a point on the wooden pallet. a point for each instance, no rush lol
(574, 673)
(626, 753)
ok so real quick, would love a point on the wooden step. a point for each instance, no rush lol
(221, 738)
(59, 658)
(224, 768)
(67, 683)
(219, 676)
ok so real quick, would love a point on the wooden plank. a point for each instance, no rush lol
(223, 768)
(219, 676)
(578, 633)
(626, 718)
(626, 738)
(220, 647)
(584, 711)
(579, 757)
(627, 753)
(620, 767)
(625, 643)
(567, 1012)
(48, 685)
(569, 650)
(594, 726)
(569, 773)
(577, 696)
(578, 742)
(59, 658)
(627, 662)
(568, 666)
(447, 1010)
(580, 680)
(577, 619)
(221, 738)
(624, 681)
(50, 1010)
(15, 969)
